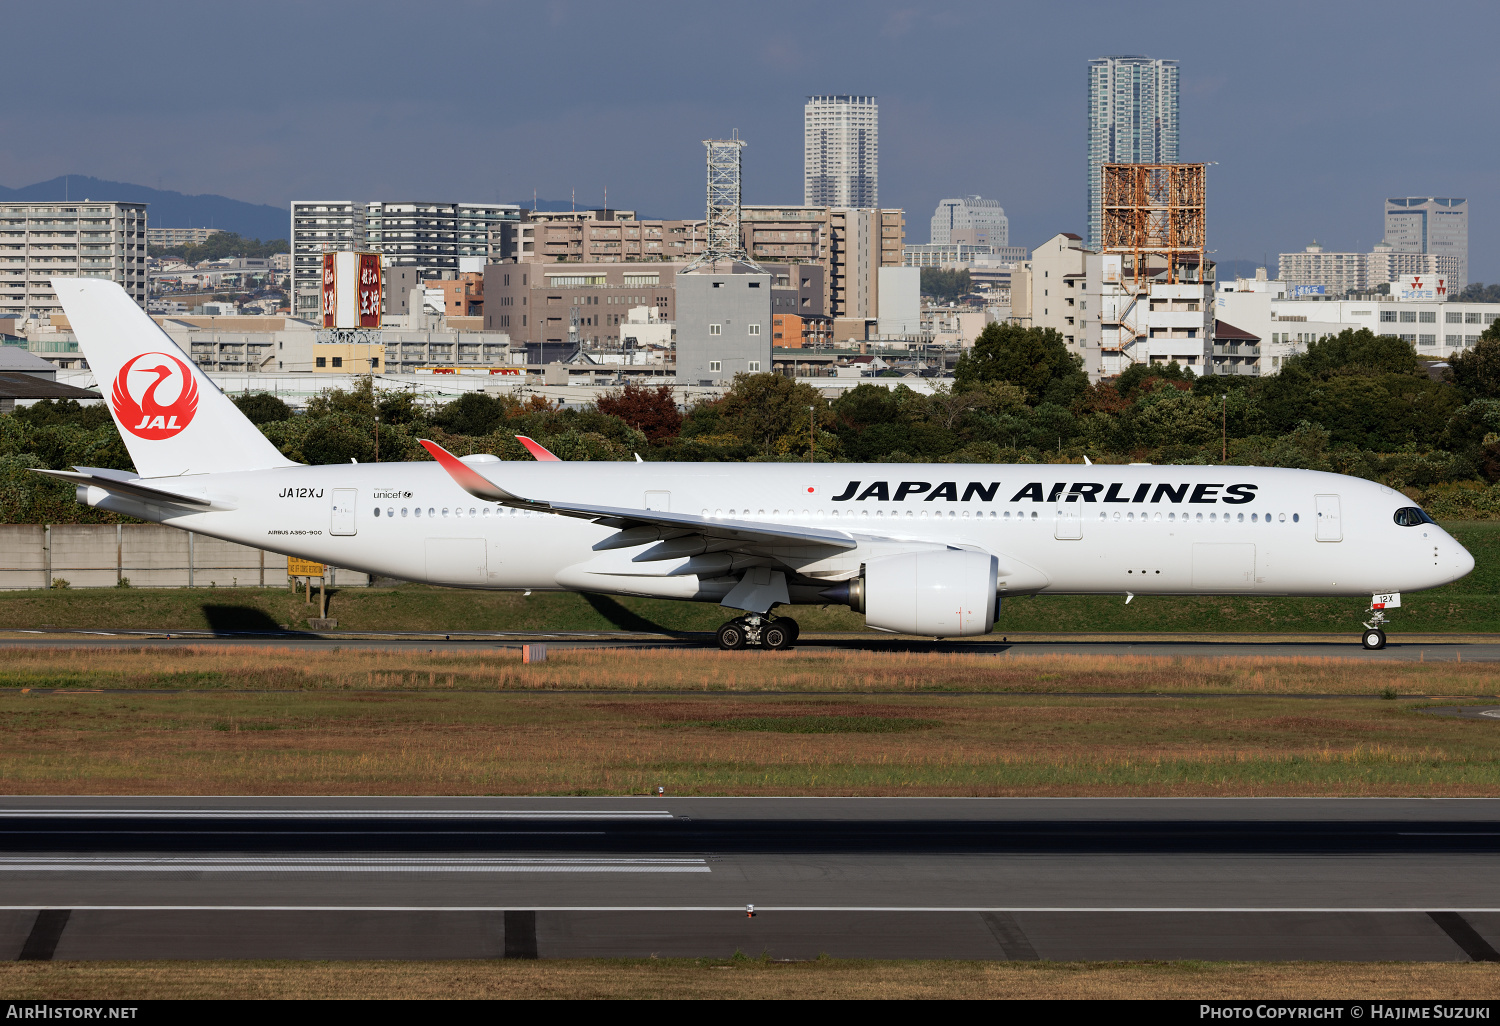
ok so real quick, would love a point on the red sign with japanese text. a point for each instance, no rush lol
(369, 290)
(330, 290)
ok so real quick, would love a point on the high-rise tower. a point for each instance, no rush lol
(1436, 225)
(841, 152)
(1132, 120)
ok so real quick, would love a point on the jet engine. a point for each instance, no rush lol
(947, 594)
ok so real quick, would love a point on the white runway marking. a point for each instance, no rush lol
(480, 814)
(759, 908)
(339, 864)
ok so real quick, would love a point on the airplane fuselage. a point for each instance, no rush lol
(1057, 529)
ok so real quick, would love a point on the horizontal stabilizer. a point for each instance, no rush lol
(122, 482)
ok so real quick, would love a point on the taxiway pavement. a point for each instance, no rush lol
(1410, 648)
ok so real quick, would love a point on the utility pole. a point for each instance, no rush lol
(377, 438)
(1224, 427)
(812, 434)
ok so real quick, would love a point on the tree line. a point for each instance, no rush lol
(220, 245)
(1355, 403)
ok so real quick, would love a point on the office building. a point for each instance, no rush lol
(88, 239)
(723, 327)
(428, 236)
(1132, 120)
(171, 238)
(1436, 226)
(1285, 324)
(973, 221)
(575, 305)
(841, 152)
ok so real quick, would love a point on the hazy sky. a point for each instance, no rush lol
(1313, 112)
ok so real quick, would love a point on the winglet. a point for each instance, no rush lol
(538, 450)
(469, 479)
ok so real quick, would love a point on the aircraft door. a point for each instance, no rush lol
(344, 500)
(1069, 525)
(1330, 529)
(659, 502)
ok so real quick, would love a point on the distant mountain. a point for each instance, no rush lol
(167, 209)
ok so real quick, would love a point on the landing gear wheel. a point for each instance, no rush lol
(777, 637)
(786, 623)
(1373, 639)
(732, 635)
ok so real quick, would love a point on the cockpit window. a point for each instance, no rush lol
(1411, 516)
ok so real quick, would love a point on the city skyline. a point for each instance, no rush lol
(1285, 116)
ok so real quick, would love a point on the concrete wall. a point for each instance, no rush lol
(148, 555)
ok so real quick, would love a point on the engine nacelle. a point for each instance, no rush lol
(947, 594)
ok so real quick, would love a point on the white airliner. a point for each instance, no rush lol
(924, 549)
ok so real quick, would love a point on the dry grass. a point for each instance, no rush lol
(704, 978)
(464, 742)
(272, 668)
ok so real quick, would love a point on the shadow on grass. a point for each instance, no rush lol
(241, 620)
(626, 620)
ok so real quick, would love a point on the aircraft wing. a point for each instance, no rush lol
(639, 526)
(123, 482)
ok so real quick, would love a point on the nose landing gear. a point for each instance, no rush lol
(1374, 636)
(761, 631)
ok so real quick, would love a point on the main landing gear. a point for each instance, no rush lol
(761, 631)
(1374, 636)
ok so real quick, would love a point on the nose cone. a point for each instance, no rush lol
(1463, 563)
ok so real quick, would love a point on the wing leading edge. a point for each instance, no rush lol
(639, 526)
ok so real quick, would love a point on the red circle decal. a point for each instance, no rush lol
(155, 396)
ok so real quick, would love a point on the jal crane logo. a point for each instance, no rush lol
(155, 396)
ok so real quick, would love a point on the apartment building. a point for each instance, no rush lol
(171, 238)
(863, 241)
(89, 239)
(1320, 273)
(430, 237)
(770, 234)
(1132, 112)
(841, 152)
(1058, 288)
(319, 226)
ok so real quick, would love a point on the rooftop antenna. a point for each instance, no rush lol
(724, 239)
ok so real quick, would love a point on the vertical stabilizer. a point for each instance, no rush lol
(174, 420)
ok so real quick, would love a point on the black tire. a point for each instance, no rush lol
(786, 623)
(1373, 640)
(776, 637)
(732, 636)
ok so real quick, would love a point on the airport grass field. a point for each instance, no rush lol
(211, 720)
(747, 978)
(1471, 605)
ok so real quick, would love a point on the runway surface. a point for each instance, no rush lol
(1413, 648)
(95, 878)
